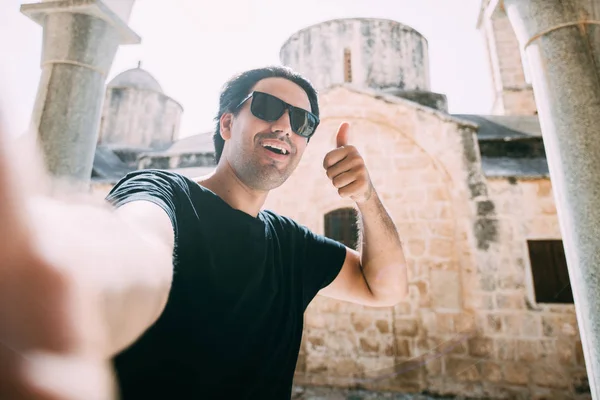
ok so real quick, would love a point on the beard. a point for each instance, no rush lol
(259, 173)
(262, 177)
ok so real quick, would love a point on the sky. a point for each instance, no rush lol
(193, 46)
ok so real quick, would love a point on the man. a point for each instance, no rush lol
(192, 288)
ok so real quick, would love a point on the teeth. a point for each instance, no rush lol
(284, 151)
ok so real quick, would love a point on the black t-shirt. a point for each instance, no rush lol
(233, 321)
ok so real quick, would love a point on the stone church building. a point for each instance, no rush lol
(490, 311)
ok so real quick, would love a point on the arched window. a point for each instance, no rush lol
(341, 225)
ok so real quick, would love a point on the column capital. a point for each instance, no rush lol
(96, 8)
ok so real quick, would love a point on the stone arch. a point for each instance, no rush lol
(436, 134)
(414, 186)
(414, 157)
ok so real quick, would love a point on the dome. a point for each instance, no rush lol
(136, 78)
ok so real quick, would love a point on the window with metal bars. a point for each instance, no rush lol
(550, 274)
(341, 225)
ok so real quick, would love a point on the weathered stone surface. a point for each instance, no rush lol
(484, 301)
(491, 371)
(445, 290)
(539, 393)
(531, 326)
(559, 325)
(366, 40)
(344, 367)
(326, 393)
(441, 248)
(464, 323)
(368, 345)
(403, 348)
(361, 321)
(513, 95)
(510, 301)
(565, 350)
(527, 350)
(341, 343)
(422, 292)
(494, 324)
(547, 350)
(315, 320)
(481, 347)
(512, 323)
(78, 49)
(440, 346)
(316, 365)
(510, 281)
(516, 373)
(506, 349)
(565, 63)
(406, 327)
(129, 118)
(383, 326)
(316, 343)
(549, 376)
(445, 323)
(463, 369)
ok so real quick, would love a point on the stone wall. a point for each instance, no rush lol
(541, 340)
(367, 52)
(139, 118)
(514, 94)
(469, 326)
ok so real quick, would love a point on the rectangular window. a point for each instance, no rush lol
(550, 273)
(347, 65)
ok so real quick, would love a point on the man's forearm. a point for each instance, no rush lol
(123, 273)
(382, 257)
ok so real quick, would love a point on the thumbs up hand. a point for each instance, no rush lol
(347, 170)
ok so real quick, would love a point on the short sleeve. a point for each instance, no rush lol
(159, 187)
(324, 258)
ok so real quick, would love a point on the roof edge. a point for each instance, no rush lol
(389, 98)
(146, 90)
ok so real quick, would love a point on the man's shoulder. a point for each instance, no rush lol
(290, 225)
(157, 175)
(153, 180)
(285, 221)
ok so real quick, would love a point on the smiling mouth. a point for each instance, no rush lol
(276, 149)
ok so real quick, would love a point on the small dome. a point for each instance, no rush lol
(136, 78)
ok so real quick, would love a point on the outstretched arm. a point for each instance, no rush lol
(79, 281)
(377, 275)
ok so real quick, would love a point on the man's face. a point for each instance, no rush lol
(249, 147)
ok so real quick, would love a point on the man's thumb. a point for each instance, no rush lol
(342, 135)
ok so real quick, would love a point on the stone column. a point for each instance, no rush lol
(562, 42)
(81, 38)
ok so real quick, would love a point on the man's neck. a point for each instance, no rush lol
(225, 184)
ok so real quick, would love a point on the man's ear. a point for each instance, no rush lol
(225, 122)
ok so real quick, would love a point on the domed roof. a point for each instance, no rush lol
(136, 78)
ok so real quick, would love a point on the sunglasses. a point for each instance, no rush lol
(270, 108)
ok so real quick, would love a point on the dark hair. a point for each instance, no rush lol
(240, 85)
